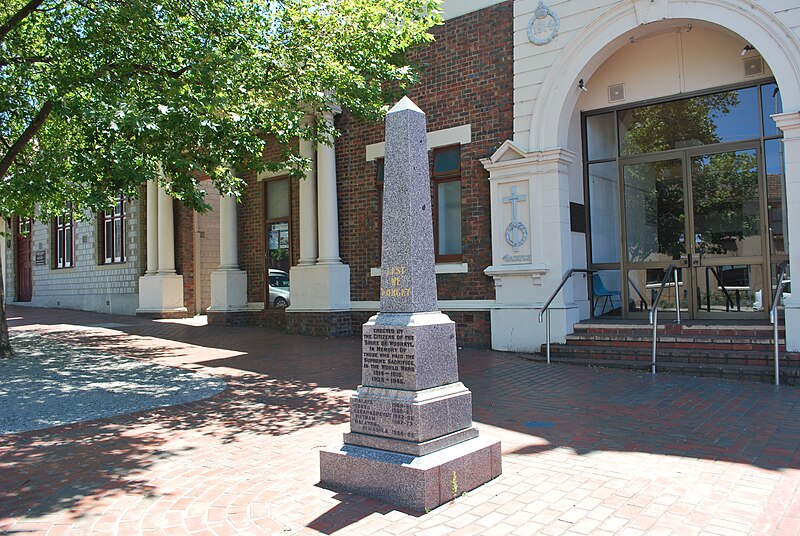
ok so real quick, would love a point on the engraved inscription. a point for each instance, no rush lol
(383, 418)
(388, 356)
(392, 283)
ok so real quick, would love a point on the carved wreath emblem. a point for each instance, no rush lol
(516, 234)
(543, 26)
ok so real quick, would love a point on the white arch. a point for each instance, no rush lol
(599, 40)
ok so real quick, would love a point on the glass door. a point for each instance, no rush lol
(702, 212)
(727, 253)
(655, 231)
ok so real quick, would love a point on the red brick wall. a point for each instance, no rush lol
(250, 224)
(468, 78)
(184, 253)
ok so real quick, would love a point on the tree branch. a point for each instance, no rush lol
(18, 17)
(26, 137)
(30, 60)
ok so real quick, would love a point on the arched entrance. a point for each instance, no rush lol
(721, 269)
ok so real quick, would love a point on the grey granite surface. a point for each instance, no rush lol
(408, 278)
(49, 384)
(409, 351)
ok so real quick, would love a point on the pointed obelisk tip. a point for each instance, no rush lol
(405, 104)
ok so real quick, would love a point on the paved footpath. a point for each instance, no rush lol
(585, 451)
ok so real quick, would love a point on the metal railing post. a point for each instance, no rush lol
(544, 313)
(548, 335)
(671, 269)
(677, 297)
(777, 355)
(773, 317)
(655, 338)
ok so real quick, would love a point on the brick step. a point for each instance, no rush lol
(754, 330)
(789, 375)
(676, 341)
(630, 354)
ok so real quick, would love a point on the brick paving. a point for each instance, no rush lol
(586, 451)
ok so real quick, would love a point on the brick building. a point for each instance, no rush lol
(619, 136)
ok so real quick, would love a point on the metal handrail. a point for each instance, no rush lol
(546, 307)
(773, 317)
(671, 269)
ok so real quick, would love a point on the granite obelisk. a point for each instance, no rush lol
(411, 439)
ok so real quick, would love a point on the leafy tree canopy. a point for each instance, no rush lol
(98, 96)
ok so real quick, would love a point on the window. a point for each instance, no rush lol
(446, 183)
(113, 231)
(277, 209)
(446, 199)
(64, 240)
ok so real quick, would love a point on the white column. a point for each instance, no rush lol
(228, 283)
(166, 234)
(789, 123)
(228, 234)
(327, 201)
(319, 283)
(152, 227)
(308, 204)
(161, 293)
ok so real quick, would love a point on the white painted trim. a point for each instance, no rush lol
(455, 8)
(516, 269)
(443, 305)
(255, 306)
(441, 268)
(437, 138)
(316, 309)
(264, 175)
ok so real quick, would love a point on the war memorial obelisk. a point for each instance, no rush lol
(411, 440)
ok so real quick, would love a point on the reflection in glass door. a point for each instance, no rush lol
(727, 252)
(701, 212)
(655, 231)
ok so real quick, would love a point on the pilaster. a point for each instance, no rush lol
(531, 245)
(789, 123)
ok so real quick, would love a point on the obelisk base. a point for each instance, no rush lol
(420, 483)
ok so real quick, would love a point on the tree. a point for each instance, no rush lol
(99, 96)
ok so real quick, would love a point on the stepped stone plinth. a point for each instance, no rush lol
(411, 439)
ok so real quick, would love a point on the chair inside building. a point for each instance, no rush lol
(599, 291)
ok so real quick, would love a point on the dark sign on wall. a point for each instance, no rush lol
(577, 217)
(40, 257)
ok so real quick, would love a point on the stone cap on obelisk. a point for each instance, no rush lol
(408, 277)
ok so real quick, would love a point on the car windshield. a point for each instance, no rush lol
(279, 281)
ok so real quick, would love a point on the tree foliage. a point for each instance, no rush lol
(99, 96)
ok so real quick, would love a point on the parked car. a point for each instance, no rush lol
(786, 291)
(278, 288)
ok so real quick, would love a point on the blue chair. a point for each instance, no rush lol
(599, 290)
